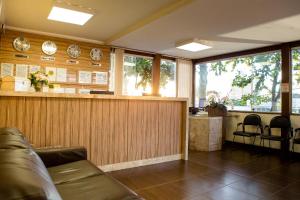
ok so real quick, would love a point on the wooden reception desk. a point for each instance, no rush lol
(118, 131)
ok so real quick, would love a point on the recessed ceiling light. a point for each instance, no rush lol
(192, 45)
(69, 16)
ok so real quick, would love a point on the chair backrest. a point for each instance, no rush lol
(252, 119)
(280, 122)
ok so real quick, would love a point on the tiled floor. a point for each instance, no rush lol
(234, 174)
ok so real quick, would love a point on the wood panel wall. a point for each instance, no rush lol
(112, 130)
(7, 55)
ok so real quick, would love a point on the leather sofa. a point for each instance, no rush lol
(52, 173)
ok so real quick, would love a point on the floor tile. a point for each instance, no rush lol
(228, 193)
(255, 187)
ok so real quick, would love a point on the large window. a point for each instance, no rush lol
(250, 83)
(137, 75)
(167, 85)
(296, 80)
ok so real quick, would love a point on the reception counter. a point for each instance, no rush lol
(118, 131)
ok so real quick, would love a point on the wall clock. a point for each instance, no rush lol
(21, 44)
(96, 54)
(49, 48)
(74, 51)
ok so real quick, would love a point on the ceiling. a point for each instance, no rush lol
(156, 25)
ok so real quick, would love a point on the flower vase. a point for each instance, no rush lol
(38, 87)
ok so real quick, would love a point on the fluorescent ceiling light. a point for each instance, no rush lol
(193, 46)
(69, 16)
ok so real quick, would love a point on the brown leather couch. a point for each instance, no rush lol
(52, 174)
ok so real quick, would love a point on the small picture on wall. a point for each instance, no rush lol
(101, 78)
(7, 69)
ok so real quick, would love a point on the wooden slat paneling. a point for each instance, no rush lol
(112, 130)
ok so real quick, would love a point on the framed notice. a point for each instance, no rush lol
(61, 74)
(7, 69)
(34, 68)
(85, 77)
(51, 71)
(21, 70)
(101, 78)
(285, 87)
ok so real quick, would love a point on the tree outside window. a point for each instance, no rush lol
(252, 83)
(167, 85)
(137, 75)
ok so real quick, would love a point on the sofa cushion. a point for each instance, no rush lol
(12, 131)
(73, 171)
(25, 176)
(8, 141)
(11, 138)
(100, 187)
(8, 130)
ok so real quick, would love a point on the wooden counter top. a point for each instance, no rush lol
(87, 96)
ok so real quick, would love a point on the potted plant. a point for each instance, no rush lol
(217, 106)
(38, 79)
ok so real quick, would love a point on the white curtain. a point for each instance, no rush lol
(184, 79)
(119, 57)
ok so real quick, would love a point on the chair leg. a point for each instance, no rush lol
(254, 140)
(260, 141)
(293, 147)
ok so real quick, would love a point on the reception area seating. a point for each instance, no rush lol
(52, 174)
(249, 120)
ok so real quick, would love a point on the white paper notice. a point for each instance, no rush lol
(85, 77)
(51, 71)
(101, 78)
(34, 68)
(70, 90)
(21, 70)
(61, 74)
(7, 69)
(84, 91)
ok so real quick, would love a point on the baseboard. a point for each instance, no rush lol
(139, 163)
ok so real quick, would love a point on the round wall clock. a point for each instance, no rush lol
(49, 48)
(96, 54)
(74, 51)
(21, 44)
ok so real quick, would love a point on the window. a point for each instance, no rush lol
(250, 83)
(296, 80)
(137, 75)
(167, 85)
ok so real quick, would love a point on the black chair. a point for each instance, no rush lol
(249, 120)
(296, 139)
(281, 122)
